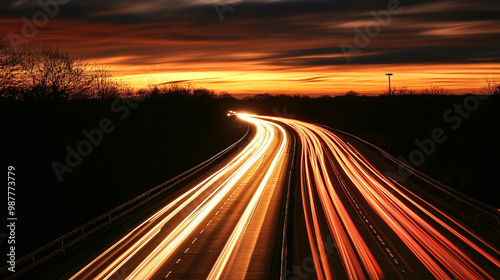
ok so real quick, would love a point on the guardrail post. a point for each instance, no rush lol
(62, 246)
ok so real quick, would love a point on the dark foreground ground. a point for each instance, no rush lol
(156, 139)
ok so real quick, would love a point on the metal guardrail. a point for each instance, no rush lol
(71, 238)
(489, 210)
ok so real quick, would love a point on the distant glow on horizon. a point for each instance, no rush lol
(459, 79)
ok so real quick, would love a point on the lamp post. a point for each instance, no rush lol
(389, 75)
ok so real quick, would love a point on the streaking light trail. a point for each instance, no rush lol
(413, 220)
(146, 249)
(379, 227)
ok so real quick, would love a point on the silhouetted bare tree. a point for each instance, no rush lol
(491, 87)
(262, 96)
(179, 88)
(54, 75)
(224, 95)
(435, 90)
(403, 91)
(104, 85)
(11, 66)
(406, 91)
(51, 74)
(351, 93)
(203, 93)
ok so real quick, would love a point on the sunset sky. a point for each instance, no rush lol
(295, 47)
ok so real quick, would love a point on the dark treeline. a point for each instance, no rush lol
(489, 88)
(51, 74)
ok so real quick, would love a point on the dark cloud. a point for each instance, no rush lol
(374, 56)
(282, 34)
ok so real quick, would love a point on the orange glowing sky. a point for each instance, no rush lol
(290, 46)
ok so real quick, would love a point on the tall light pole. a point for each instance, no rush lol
(389, 74)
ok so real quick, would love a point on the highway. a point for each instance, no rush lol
(217, 228)
(348, 221)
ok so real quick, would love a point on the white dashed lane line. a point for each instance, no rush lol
(361, 212)
(208, 224)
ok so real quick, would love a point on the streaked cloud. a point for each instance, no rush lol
(270, 41)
